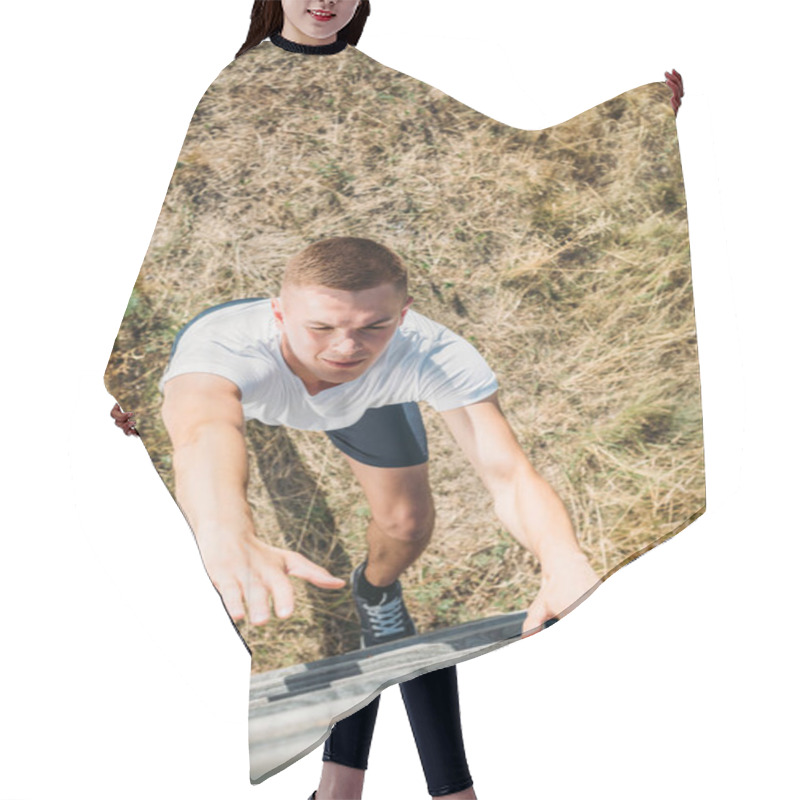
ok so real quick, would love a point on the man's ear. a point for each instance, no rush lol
(275, 302)
(406, 307)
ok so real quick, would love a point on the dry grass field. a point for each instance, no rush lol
(563, 255)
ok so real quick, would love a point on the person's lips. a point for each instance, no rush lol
(343, 364)
(322, 16)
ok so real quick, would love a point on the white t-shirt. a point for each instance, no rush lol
(424, 361)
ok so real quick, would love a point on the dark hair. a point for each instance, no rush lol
(266, 19)
(348, 264)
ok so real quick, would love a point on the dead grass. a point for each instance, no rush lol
(562, 254)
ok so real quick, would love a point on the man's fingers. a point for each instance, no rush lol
(257, 599)
(255, 593)
(263, 578)
(282, 594)
(300, 567)
(529, 626)
(537, 614)
(231, 595)
(274, 584)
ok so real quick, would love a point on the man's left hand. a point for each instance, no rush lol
(573, 580)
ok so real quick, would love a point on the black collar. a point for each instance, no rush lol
(308, 49)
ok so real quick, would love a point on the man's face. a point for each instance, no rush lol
(330, 336)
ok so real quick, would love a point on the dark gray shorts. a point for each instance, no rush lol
(391, 436)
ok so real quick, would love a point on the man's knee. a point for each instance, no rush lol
(408, 524)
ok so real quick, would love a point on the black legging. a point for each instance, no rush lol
(432, 707)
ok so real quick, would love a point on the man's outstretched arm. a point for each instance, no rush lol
(527, 506)
(203, 416)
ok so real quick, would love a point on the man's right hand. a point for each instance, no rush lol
(249, 573)
(204, 418)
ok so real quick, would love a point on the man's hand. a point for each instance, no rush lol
(572, 580)
(204, 418)
(527, 505)
(248, 572)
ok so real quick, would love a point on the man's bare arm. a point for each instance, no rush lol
(204, 418)
(527, 506)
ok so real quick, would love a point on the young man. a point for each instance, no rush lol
(340, 351)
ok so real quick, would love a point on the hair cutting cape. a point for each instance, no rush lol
(562, 255)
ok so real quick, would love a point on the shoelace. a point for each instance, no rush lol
(387, 618)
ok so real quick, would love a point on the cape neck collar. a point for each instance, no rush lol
(308, 49)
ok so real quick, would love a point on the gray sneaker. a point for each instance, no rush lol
(388, 620)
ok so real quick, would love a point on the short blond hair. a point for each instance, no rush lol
(348, 264)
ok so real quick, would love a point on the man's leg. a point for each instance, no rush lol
(387, 450)
(402, 509)
(402, 518)
(433, 710)
(346, 754)
(390, 449)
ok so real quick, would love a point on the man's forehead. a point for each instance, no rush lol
(311, 299)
